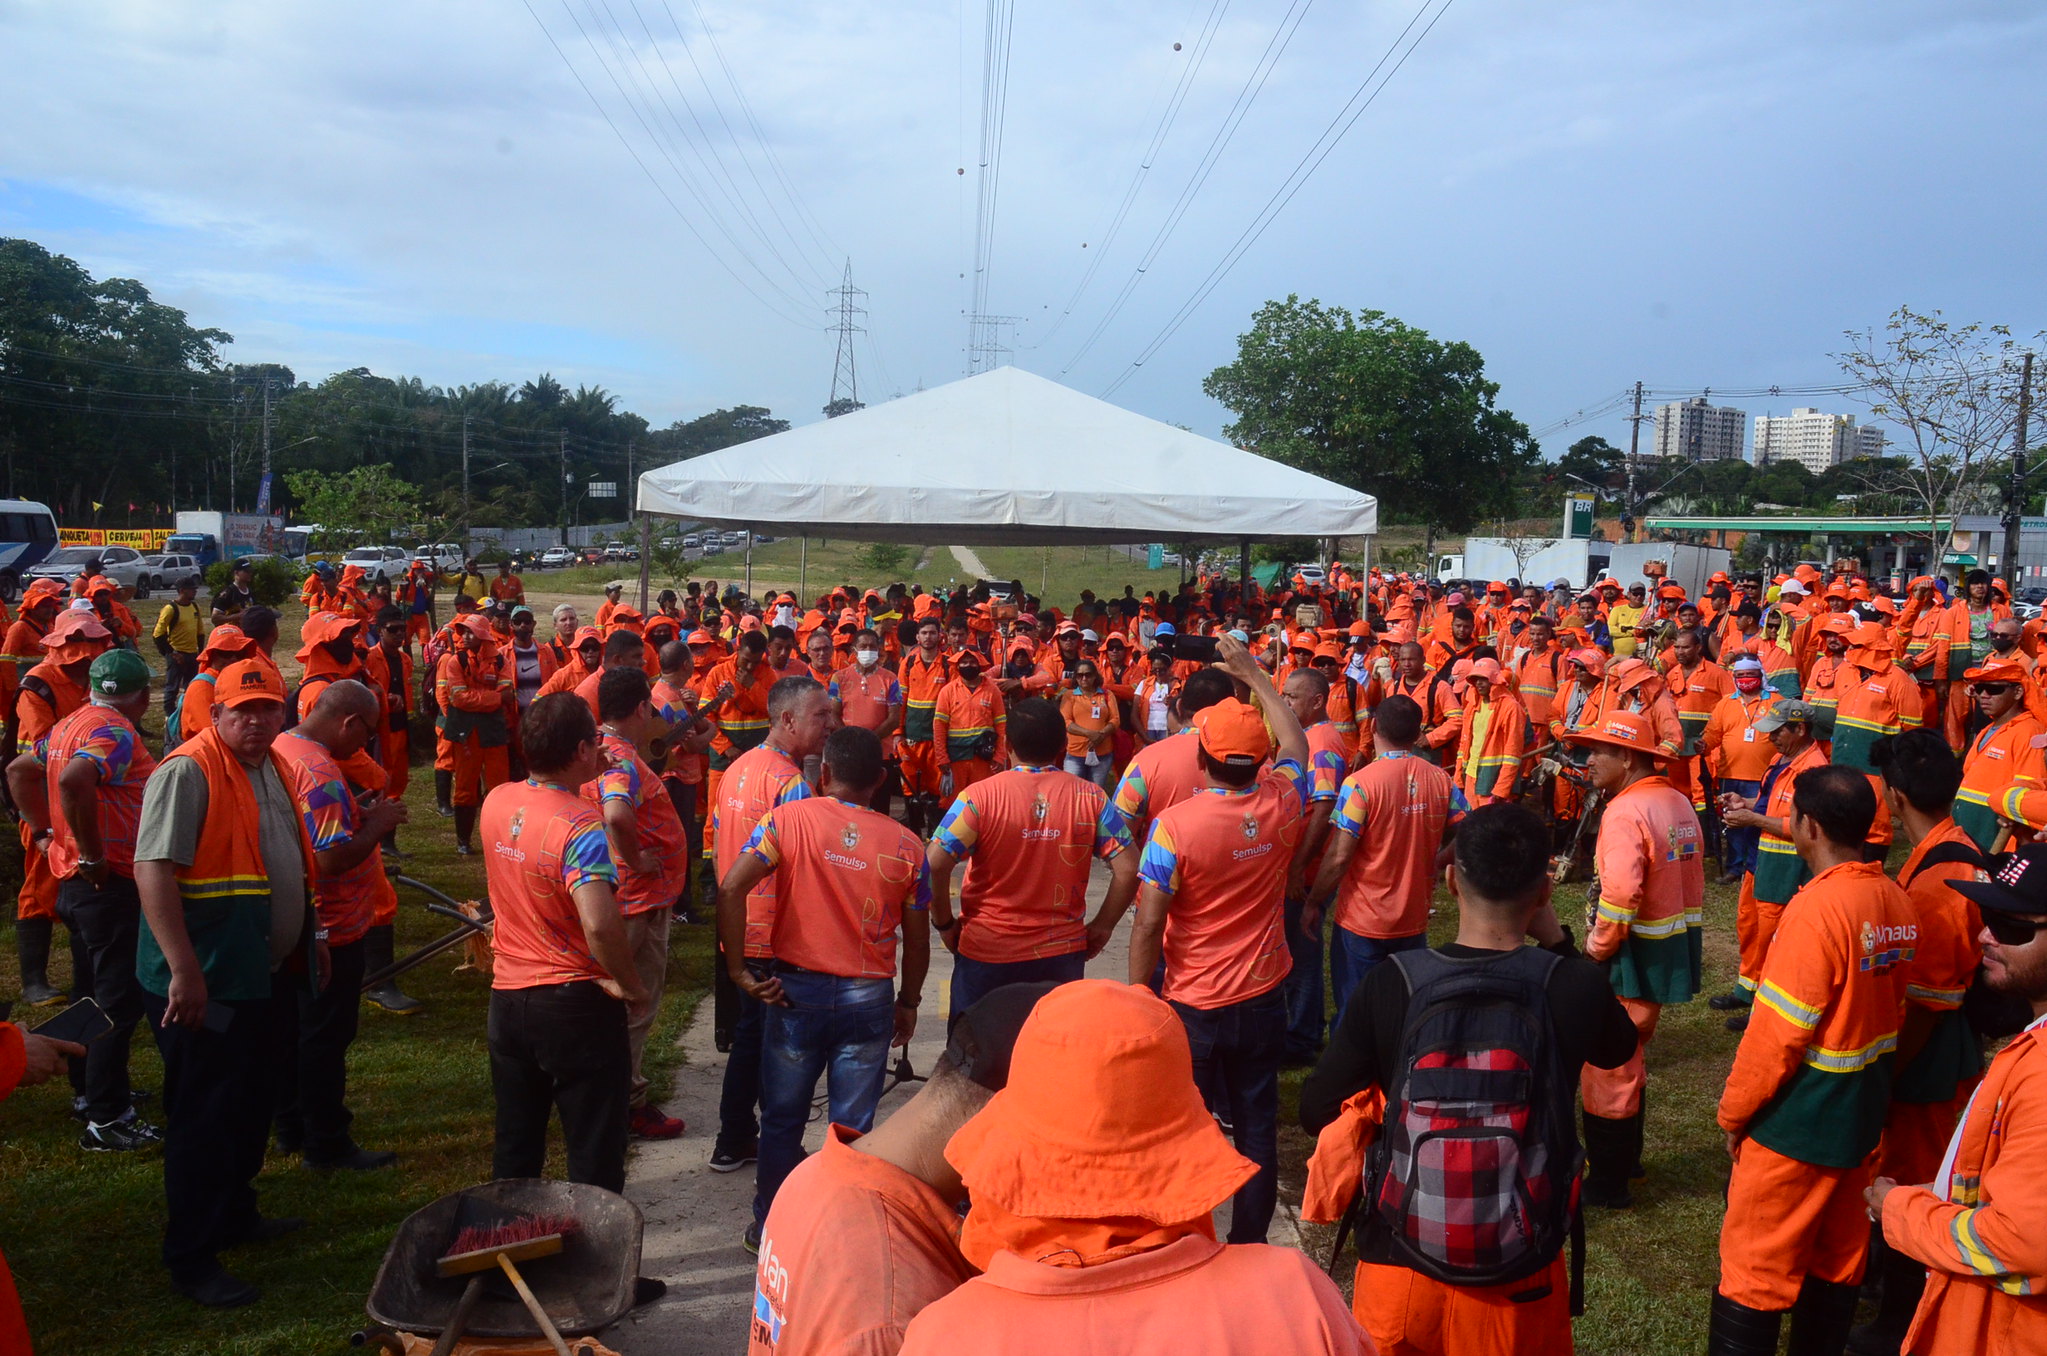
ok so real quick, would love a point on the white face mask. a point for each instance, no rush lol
(785, 615)
(867, 658)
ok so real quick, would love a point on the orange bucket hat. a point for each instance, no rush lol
(227, 638)
(1100, 1118)
(1621, 729)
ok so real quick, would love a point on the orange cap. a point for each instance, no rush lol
(227, 638)
(248, 680)
(1671, 591)
(1100, 1118)
(1593, 660)
(1329, 650)
(694, 638)
(1232, 731)
(1488, 669)
(1621, 729)
(39, 590)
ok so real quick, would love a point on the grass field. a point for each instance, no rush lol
(81, 1231)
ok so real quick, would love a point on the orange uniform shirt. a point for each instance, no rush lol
(630, 782)
(1221, 858)
(1094, 712)
(758, 781)
(853, 1249)
(540, 844)
(1193, 1297)
(1028, 836)
(846, 875)
(1731, 744)
(1396, 806)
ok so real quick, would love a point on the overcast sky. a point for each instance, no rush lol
(1589, 193)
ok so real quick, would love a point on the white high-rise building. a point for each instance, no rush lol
(1815, 440)
(1696, 431)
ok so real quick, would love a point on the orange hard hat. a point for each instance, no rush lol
(1622, 730)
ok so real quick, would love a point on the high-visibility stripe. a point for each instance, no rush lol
(1969, 1244)
(1850, 1061)
(1926, 993)
(1655, 929)
(1616, 913)
(1787, 1007)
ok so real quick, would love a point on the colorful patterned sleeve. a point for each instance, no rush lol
(895, 694)
(586, 857)
(766, 843)
(832, 689)
(1349, 814)
(1112, 839)
(620, 781)
(920, 898)
(1325, 775)
(111, 749)
(961, 828)
(795, 789)
(326, 811)
(1160, 865)
(1297, 778)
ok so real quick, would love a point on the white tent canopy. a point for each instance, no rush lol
(1003, 458)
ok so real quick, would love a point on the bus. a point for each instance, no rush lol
(28, 534)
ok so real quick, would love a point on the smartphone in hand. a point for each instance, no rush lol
(82, 1023)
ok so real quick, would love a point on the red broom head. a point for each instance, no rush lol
(521, 1230)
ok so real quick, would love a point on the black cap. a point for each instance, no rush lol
(984, 1037)
(2016, 883)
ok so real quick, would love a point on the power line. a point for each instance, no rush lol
(659, 187)
(995, 52)
(1366, 95)
(1106, 238)
(1254, 85)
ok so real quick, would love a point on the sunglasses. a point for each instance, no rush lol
(2010, 929)
(1992, 689)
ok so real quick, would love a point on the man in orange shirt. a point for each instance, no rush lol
(1737, 757)
(1793, 729)
(1650, 861)
(508, 588)
(735, 699)
(799, 717)
(1389, 823)
(1306, 692)
(477, 705)
(1028, 837)
(865, 693)
(2006, 750)
(563, 986)
(856, 886)
(885, 1203)
(1980, 1226)
(1493, 735)
(1804, 1105)
(1696, 686)
(1939, 1056)
(1102, 1123)
(925, 671)
(1213, 903)
(967, 728)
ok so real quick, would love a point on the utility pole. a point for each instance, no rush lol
(845, 381)
(2015, 495)
(565, 488)
(985, 349)
(465, 482)
(1633, 525)
(266, 426)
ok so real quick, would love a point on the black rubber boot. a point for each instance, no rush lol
(1736, 1001)
(465, 830)
(379, 948)
(1737, 1330)
(1607, 1161)
(1822, 1317)
(34, 935)
(1903, 1281)
(444, 789)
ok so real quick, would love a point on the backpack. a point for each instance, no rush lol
(1473, 1179)
(1990, 1014)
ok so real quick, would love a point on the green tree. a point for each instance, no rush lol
(1380, 406)
(1594, 459)
(687, 438)
(367, 504)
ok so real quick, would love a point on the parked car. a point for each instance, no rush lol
(378, 562)
(122, 564)
(692, 542)
(444, 556)
(557, 557)
(167, 569)
(1312, 574)
(621, 553)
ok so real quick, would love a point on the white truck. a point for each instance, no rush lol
(1690, 567)
(1538, 560)
(209, 536)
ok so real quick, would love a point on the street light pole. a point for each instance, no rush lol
(2015, 493)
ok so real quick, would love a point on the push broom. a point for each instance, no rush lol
(480, 1247)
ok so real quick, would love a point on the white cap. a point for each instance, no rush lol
(1791, 585)
(1090, 638)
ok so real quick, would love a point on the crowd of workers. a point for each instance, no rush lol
(1274, 783)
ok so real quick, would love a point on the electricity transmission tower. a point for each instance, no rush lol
(845, 381)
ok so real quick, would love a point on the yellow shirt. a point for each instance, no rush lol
(1620, 623)
(180, 625)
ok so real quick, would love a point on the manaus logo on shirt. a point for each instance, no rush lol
(1040, 807)
(850, 836)
(1250, 827)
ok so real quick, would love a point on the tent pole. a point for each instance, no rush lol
(1243, 569)
(802, 567)
(749, 562)
(1045, 575)
(646, 560)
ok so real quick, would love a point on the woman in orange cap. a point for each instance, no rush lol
(1651, 868)
(1093, 1176)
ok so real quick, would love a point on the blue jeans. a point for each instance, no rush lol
(973, 980)
(831, 1026)
(1353, 957)
(1236, 1053)
(1098, 774)
(1303, 989)
(1740, 845)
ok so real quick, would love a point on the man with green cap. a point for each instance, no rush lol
(83, 782)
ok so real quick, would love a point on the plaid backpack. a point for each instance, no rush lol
(1473, 1179)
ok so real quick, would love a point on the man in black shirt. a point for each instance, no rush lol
(1502, 888)
(230, 602)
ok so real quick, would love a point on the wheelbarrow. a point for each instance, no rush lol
(585, 1287)
(465, 928)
